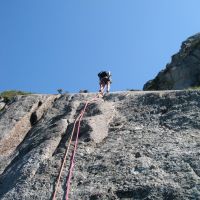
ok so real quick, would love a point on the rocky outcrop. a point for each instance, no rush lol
(2, 103)
(132, 145)
(183, 71)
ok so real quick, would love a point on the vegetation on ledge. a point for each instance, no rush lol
(9, 94)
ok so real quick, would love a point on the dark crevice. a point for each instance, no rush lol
(33, 118)
(39, 104)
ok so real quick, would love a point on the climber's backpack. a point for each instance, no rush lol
(103, 74)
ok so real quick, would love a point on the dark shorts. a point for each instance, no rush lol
(104, 80)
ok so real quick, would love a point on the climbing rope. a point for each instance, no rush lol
(64, 160)
(78, 119)
(73, 154)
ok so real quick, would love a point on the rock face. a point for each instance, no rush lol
(2, 104)
(132, 145)
(183, 71)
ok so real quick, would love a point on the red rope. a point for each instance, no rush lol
(73, 154)
(75, 147)
(64, 161)
(79, 118)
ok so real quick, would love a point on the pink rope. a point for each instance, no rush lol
(64, 161)
(78, 119)
(75, 148)
(73, 154)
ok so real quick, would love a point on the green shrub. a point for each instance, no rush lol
(8, 95)
(60, 91)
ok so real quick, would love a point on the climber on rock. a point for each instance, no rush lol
(104, 81)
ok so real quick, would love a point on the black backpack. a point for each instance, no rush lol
(103, 74)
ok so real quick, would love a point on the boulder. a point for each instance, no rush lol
(183, 71)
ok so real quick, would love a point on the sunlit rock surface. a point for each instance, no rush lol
(132, 145)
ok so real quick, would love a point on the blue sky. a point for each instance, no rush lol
(51, 44)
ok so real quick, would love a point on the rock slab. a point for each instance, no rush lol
(132, 145)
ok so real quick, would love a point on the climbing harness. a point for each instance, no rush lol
(77, 120)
